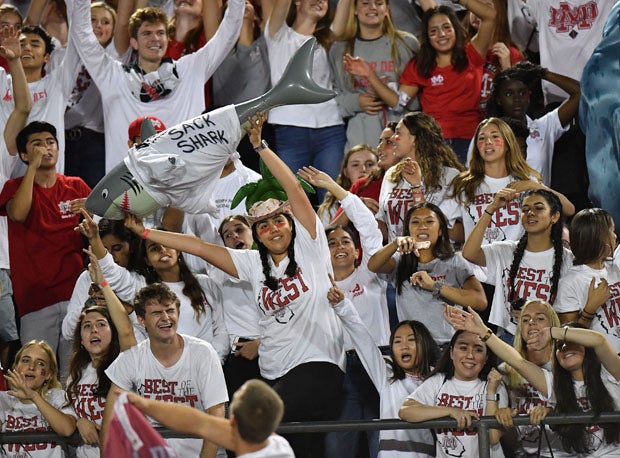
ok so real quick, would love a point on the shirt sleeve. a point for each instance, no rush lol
(76, 304)
(119, 372)
(220, 332)
(124, 283)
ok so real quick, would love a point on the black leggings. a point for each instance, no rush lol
(311, 392)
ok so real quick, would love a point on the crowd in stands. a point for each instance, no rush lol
(448, 264)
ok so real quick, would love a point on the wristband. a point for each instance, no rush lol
(146, 233)
(103, 284)
(492, 397)
(488, 213)
(437, 288)
(263, 145)
(487, 335)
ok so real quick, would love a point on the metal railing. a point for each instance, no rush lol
(483, 425)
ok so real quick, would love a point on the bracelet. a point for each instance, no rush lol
(565, 331)
(437, 288)
(487, 335)
(103, 284)
(146, 233)
(492, 397)
(586, 315)
(488, 213)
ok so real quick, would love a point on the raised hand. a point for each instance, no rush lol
(254, 128)
(96, 275)
(134, 224)
(316, 177)
(19, 386)
(10, 47)
(502, 198)
(356, 66)
(335, 294)
(88, 228)
(463, 320)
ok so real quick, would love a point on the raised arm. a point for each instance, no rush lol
(121, 30)
(341, 15)
(10, 49)
(278, 16)
(300, 204)
(119, 315)
(211, 17)
(485, 10)
(18, 208)
(568, 109)
(185, 419)
(472, 250)
(471, 294)
(470, 321)
(215, 255)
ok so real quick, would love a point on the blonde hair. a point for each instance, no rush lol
(329, 200)
(513, 378)
(53, 381)
(466, 183)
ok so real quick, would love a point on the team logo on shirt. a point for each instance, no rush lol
(65, 209)
(437, 80)
(88, 404)
(27, 424)
(179, 392)
(276, 303)
(568, 20)
(609, 313)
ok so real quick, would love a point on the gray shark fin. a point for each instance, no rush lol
(147, 129)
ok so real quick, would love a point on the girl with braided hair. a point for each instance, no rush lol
(528, 269)
(301, 350)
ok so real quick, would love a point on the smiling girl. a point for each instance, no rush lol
(412, 354)
(464, 385)
(35, 402)
(585, 377)
(524, 270)
(426, 271)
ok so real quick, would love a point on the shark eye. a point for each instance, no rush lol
(104, 193)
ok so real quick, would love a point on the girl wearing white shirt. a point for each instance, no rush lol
(585, 377)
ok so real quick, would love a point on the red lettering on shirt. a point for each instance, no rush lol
(289, 289)
(611, 308)
(565, 18)
(159, 386)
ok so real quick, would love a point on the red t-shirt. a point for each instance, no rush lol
(452, 98)
(45, 253)
(492, 68)
(372, 190)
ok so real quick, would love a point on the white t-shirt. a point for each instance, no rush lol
(364, 288)
(568, 32)
(399, 443)
(598, 446)
(225, 190)
(415, 303)
(544, 132)
(195, 380)
(89, 405)
(533, 279)
(280, 49)
(396, 198)
(277, 447)
(49, 99)
(17, 416)
(573, 295)
(120, 106)
(297, 324)
(466, 395)
(505, 223)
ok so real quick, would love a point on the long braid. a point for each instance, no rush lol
(271, 282)
(558, 255)
(291, 269)
(514, 267)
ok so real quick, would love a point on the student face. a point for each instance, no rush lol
(160, 320)
(314, 9)
(469, 355)
(96, 334)
(46, 141)
(404, 142)
(441, 34)
(237, 235)
(371, 13)
(514, 98)
(103, 25)
(386, 150)
(34, 365)
(33, 51)
(491, 144)
(404, 348)
(119, 249)
(342, 249)
(10, 20)
(536, 214)
(275, 233)
(161, 258)
(360, 164)
(570, 355)
(533, 320)
(151, 42)
(424, 226)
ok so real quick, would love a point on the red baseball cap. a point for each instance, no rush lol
(134, 127)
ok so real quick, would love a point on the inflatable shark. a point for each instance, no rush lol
(599, 117)
(180, 166)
